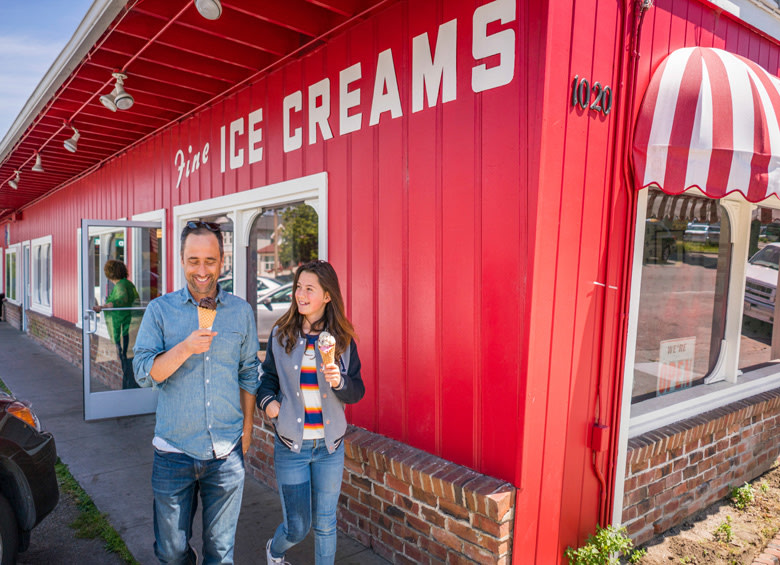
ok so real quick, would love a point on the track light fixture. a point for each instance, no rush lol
(209, 9)
(14, 183)
(37, 167)
(119, 98)
(71, 144)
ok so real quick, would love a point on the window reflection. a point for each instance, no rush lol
(761, 274)
(682, 308)
(281, 239)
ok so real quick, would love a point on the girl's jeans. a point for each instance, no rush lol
(309, 485)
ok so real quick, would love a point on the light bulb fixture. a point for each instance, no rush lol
(71, 144)
(14, 183)
(37, 167)
(119, 98)
(209, 9)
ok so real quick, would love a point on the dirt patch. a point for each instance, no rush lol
(721, 533)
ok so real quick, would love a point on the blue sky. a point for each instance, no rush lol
(32, 34)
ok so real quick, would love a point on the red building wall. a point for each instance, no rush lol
(574, 284)
(481, 243)
(428, 225)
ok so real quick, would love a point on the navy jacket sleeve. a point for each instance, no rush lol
(269, 379)
(352, 389)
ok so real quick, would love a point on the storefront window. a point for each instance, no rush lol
(11, 278)
(281, 238)
(41, 275)
(761, 275)
(684, 289)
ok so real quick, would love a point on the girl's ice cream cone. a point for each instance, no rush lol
(327, 346)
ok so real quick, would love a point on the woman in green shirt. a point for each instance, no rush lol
(123, 295)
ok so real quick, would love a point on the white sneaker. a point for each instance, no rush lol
(271, 560)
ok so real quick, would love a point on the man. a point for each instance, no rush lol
(207, 382)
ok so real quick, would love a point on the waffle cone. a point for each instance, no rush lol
(206, 318)
(328, 357)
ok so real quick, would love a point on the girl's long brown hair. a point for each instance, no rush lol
(334, 320)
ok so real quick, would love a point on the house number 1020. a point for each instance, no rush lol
(592, 96)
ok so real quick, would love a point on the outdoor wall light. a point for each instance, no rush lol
(37, 167)
(14, 183)
(209, 9)
(71, 144)
(118, 97)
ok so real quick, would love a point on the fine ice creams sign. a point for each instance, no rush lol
(432, 69)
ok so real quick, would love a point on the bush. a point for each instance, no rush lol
(742, 496)
(605, 547)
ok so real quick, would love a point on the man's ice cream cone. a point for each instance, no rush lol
(206, 318)
(207, 311)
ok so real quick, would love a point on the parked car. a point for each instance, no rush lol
(660, 243)
(270, 307)
(698, 232)
(28, 483)
(761, 283)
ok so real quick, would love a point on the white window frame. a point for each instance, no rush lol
(35, 306)
(727, 369)
(16, 251)
(243, 207)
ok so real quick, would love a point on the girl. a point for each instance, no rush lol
(306, 406)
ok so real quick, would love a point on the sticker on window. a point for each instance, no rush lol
(675, 364)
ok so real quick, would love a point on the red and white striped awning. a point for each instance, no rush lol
(709, 119)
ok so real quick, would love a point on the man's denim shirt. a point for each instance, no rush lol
(199, 407)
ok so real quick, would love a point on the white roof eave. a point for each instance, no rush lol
(95, 23)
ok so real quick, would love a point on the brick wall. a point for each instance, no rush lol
(675, 471)
(65, 339)
(59, 336)
(12, 314)
(409, 506)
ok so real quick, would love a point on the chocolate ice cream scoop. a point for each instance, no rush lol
(208, 303)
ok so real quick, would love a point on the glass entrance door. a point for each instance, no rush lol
(121, 272)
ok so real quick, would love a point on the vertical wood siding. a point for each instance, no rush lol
(467, 236)
(427, 227)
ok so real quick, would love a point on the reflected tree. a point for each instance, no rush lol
(298, 236)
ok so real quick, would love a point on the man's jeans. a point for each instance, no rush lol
(309, 486)
(176, 480)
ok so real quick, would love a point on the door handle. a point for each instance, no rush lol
(90, 316)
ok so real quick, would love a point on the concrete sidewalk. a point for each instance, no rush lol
(112, 460)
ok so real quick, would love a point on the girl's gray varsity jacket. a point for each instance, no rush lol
(281, 381)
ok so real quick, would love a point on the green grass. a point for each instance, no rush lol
(90, 523)
(694, 247)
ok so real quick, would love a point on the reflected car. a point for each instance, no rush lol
(264, 284)
(270, 308)
(660, 243)
(28, 482)
(698, 232)
(769, 232)
(761, 283)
